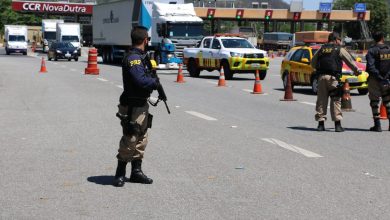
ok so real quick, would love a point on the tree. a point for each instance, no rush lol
(379, 12)
(8, 16)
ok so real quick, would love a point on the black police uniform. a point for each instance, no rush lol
(138, 84)
(378, 68)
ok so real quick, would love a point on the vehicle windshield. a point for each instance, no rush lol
(236, 43)
(19, 38)
(64, 45)
(50, 35)
(181, 30)
(70, 38)
(278, 37)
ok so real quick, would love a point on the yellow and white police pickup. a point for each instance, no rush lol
(234, 54)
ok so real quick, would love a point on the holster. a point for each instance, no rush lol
(129, 127)
(338, 91)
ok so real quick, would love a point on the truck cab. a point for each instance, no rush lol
(15, 39)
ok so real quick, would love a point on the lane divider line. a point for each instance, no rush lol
(102, 79)
(308, 103)
(292, 148)
(74, 70)
(119, 86)
(200, 115)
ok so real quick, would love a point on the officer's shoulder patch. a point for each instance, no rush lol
(134, 60)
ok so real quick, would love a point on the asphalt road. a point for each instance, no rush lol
(223, 153)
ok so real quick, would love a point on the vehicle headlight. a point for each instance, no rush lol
(75, 51)
(169, 56)
(59, 51)
(233, 54)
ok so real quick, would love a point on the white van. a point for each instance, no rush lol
(15, 39)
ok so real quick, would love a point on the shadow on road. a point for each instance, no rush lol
(303, 128)
(101, 180)
(330, 129)
(217, 78)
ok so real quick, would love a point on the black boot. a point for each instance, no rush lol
(337, 126)
(137, 176)
(377, 125)
(321, 126)
(120, 174)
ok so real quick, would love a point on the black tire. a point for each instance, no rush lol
(76, 59)
(7, 52)
(263, 74)
(193, 70)
(284, 79)
(69, 59)
(55, 58)
(363, 91)
(49, 58)
(227, 71)
(25, 53)
(314, 83)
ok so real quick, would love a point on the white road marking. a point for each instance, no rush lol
(55, 63)
(309, 103)
(102, 79)
(73, 70)
(177, 106)
(292, 148)
(234, 126)
(212, 82)
(200, 115)
(119, 86)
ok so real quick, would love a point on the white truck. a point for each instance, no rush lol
(49, 28)
(69, 32)
(114, 19)
(15, 39)
(234, 54)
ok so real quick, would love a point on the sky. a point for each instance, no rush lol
(310, 4)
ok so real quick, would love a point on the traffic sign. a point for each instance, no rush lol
(359, 7)
(325, 7)
(297, 16)
(239, 14)
(210, 13)
(268, 14)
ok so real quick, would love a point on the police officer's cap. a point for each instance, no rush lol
(334, 36)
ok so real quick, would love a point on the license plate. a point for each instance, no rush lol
(67, 55)
(255, 65)
(352, 80)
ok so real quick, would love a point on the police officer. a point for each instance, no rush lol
(378, 68)
(328, 62)
(138, 84)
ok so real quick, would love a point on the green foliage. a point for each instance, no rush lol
(379, 12)
(8, 16)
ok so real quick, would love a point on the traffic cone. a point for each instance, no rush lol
(43, 66)
(346, 104)
(257, 86)
(383, 112)
(221, 81)
(288, 93)
(92, 67)
(180, 77)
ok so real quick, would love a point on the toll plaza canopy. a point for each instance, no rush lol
(52, 7)
(281, 14)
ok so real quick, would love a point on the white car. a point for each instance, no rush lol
(234, 54)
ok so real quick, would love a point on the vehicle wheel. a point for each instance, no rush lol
(363, 91)
(55, 59)
(285, 81)
(49, 58)
(263, 74)
(69, 59)
(193, 70)
(6, 52)
(314, 84)
(105, 56)
(76, 59)
(228, 72)
(25, 53)
(110, 56)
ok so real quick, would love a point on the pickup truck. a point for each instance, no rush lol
(234, 54)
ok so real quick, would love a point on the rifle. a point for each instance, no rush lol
(161, 94)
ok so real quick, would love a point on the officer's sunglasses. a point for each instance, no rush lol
(148, 38)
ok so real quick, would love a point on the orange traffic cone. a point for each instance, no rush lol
(180, 77)
(346, 104)
(257, 86)
(221, 81)
(288, 93)
(92, 67)
(383, 112)
(43, 66)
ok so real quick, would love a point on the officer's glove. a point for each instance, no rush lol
(161, 93)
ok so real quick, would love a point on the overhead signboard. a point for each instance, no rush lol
(325, 7)
(296, 6)
(359, 7)
(52, 8)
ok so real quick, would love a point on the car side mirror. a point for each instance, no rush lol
(358, 59)
(305, 60)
